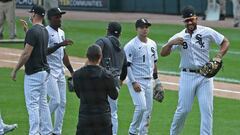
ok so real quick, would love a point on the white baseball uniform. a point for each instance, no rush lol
(194, 54)
(57, 83)
(142, 57)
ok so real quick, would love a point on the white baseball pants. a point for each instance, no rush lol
(35, 90)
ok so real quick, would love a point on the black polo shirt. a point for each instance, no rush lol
(93, 85)
(37, 37)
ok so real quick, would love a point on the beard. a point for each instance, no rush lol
(191, 27)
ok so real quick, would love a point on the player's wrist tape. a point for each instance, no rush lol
(155, 75)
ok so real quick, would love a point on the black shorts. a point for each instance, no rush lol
(94, 124)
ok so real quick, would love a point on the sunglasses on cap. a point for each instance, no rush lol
(189, 19)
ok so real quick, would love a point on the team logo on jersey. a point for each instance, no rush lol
(129, 55)
(153, 51)
(199, 40)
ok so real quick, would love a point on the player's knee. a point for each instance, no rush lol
(55, 102)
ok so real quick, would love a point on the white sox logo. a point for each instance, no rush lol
(200, 42)
(153, 51)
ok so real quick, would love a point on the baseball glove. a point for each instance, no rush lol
(70, 84)
(211, 68)
(158, 91)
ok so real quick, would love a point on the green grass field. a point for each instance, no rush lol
(84, 33)
(13, 110)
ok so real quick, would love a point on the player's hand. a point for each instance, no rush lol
(120, 82)
(72, 74)
(24, 24)
(14, 75)
(136, 87)
(177, 41)
(66, 42)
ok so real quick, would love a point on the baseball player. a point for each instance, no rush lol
(141, 53)
(193, 43)
(57, 58)
(93, 85)
(5, 128)
(114, 60)
(37, 70)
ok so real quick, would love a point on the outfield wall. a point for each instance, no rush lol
(149, 6)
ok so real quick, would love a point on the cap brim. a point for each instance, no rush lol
(192, 17)
(63, 13)
(30, 11)
(149, 24)
(145, 24)
(189, 17)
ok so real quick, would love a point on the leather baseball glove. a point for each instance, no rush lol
(158, 91)
(70, 84)
(211, 68)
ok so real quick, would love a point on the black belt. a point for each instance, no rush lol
(47, 69)
(190, 70)
(147, 78)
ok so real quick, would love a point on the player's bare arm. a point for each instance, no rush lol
(52, 49)
(123, 74)
(224, 48)
(67, 63)
(22, 60)
(166, 49)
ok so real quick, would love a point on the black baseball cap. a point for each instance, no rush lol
(188, 12)
(37, 10)
(114, 28)
(54, 11)
(142, 22)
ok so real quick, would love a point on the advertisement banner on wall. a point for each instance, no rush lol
(70, 4)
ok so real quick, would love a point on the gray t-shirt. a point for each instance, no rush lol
(37, 37)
